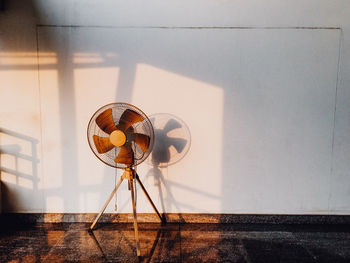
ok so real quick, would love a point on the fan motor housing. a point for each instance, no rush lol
(120, 135)
(117, 138)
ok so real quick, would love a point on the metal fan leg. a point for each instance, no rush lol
(162, 219)
(107, 202)
(138, 250)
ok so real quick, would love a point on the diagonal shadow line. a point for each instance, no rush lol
(159, 234)
(91, 233)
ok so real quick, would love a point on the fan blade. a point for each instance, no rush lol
(125, 155)
(105, 121)
(171, 125)
(128, 118)
(102, 144)
(130, 130)
(142, 140)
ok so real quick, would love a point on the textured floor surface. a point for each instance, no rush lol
(71, 242)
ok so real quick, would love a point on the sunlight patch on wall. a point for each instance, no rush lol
(87, 58)
(17, 99)
(25, 182)
(7, 177)
(8, 161)
(200, 106)
(51, 128)
(19, 59)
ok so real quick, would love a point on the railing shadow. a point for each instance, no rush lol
(11, 147)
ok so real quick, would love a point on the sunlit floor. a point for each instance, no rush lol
(71, 242)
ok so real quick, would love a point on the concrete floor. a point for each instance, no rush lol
(71, 242)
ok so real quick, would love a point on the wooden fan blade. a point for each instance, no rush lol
(105, 121)
(102, 144)
(128, 118)
(142, 140)
(125, 155)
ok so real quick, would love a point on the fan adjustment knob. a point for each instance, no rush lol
(117, 138)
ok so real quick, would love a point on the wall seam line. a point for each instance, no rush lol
(41, 119)
(334, 120)
(196, 27)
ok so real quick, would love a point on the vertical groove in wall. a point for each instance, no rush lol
(40, 116)
(334, 118)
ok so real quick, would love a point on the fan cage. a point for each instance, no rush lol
(144, 127)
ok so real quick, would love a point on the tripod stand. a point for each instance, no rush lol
(130, 175)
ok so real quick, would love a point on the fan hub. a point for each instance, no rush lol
(117, 138)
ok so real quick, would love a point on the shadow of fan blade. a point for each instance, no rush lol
(171, 125)
(178, 143)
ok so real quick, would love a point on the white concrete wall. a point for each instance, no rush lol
(259, 88)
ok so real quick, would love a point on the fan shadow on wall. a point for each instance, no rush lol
(172, 141)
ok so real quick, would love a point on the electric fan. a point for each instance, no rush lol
(122, 136)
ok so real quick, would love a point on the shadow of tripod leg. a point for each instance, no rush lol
(92, 235)
(162, 219)
(138, 250)
(107, 202)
